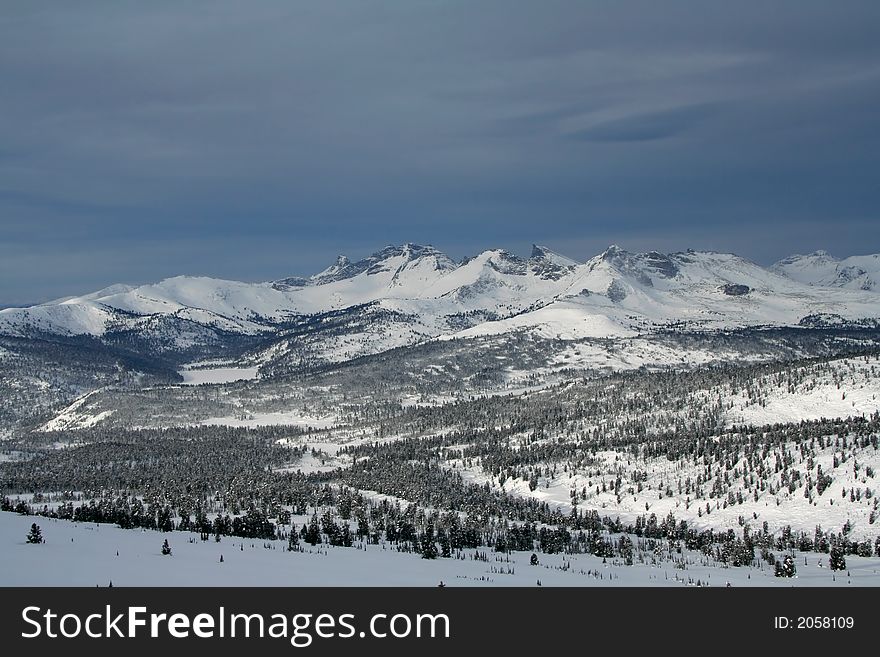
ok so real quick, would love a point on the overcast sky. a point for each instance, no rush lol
(255, 140)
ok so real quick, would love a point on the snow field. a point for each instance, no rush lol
(84, 554)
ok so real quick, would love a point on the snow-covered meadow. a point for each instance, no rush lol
(198, 374)
(86, 554)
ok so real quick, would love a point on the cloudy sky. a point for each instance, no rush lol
(258, 140)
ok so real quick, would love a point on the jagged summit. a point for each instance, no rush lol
(545, 253)
(409, 250)
(341, 261)
(539, 251)
(612, 251)
(390, 256)
(548, 264)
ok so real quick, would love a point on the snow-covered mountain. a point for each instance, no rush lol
(409, 263)
(619, 293)
(406, 294)
(823, 269)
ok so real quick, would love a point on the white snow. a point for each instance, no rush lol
(857, 394)
(76, 416)
(85, 554)
(198, 376)
(822, 269)
(563, 320)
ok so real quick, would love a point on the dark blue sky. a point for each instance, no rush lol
(258, 140)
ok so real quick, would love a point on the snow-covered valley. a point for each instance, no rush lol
(638, 419)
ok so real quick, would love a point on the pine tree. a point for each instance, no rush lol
(836, 559)
(345, 537)
(35, 535)
(164, 523)
(786, 567)
(446, 552)
(626, 549)
(312, 534)
(166, 549)
(429, 548)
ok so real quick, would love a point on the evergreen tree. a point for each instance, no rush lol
(446, 552)
(786, 567)
(429, 548)
(35, 535)
(836, 559)
(345, 536)
(312, 534)
(164, 523)
(626, 549)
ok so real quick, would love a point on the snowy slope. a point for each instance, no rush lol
(718, 288)
(820, 268)
(83, 554)
(618, 292)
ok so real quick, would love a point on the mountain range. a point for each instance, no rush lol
(402, 295)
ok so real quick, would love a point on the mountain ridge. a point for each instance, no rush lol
(822, 269)
(404, 294)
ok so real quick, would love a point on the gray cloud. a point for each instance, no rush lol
(648, 126)
(307, 128)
